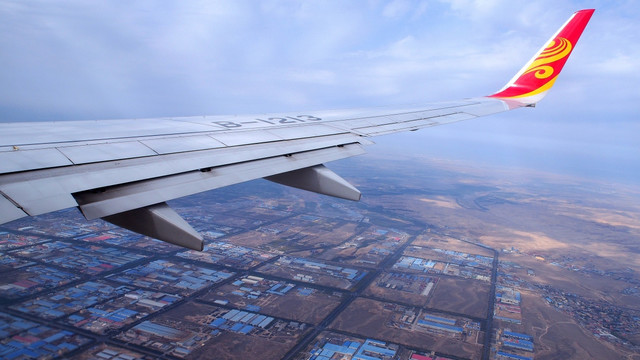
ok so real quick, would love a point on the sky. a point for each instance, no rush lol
(79, 60)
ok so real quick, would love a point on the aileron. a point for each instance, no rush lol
(24, 160)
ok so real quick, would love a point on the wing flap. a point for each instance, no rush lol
(42, 191)
(120, 198)
(24, 160)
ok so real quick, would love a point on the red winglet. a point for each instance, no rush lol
(532, 82)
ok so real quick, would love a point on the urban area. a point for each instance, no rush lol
(287, 279)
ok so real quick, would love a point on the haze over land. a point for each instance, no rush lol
(441, 257)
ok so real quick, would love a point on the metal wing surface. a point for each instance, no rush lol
(125, 170)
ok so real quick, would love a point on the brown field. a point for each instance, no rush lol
(235, 346)
(425, 253)
(448, 243)
(367, 248)
(261, 213)
(363, 252)
(591, 286)
(462, 296)
(393, 295)
(320, 278)
(358, 256)
(294, 236)
(310, 309)
(557, 335)
(554, 228)
(442, 201)
(234, 221)
(551, 215)
(370, 318)
(227, 345)
(92, 352)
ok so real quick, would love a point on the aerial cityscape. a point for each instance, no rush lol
(448, 263)
(514, 236)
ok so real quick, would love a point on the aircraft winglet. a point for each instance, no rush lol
(533, 81)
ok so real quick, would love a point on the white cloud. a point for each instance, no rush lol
(132, 59)
(619, 64)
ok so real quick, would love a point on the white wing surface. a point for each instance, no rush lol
(124, 171)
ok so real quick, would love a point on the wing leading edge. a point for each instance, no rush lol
(124, 171)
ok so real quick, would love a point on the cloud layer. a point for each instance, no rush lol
(109, 59)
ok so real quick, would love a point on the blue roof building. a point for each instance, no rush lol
(438, 326)
(516, 335)
(519, 344)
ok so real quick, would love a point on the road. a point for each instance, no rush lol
(348, 297)
(355, 293)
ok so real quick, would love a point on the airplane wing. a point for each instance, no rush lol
(124, 171)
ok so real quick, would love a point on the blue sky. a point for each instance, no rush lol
(73, 59)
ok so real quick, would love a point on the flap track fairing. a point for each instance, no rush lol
(318, 179)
